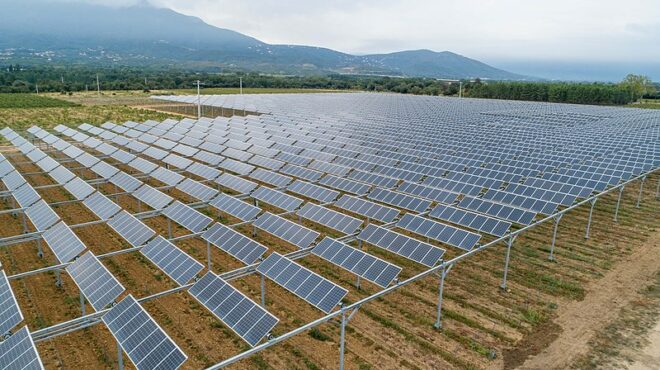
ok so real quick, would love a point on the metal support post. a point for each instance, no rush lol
(254, 231)
(509, 243)
(58, 278)
(120, 357)
(40, 251)
(82, 304)
(618, 202)
(657, 190)
(556, 220)
(169, 228)
(24, 222)
(208, 255)
(443, 273)
(342, 339)
(591, 212)
(641, 189)
(263, 291)
(357, 282)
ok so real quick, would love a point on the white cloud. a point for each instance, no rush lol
(605, 30)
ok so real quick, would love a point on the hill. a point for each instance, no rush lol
(43, 32)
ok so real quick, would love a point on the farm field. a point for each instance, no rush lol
(484, 327)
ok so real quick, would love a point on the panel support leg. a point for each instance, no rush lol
(139, 206)
(551, 257)
(443, 273)
(208, 255)
(357, 282)
(120, 357)
(509, 243)
(169, 228)
(618, 203)
(657, 190)
(24, 222)
(342, 339)
(82, 304)
(591, 212)
(58, 278)
(641, 189)
(40, 251)
(263, 291)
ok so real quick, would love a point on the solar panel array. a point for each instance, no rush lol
(19, 352)
(143, 341)
(356, 261)
(238, 312)
(10, 314)
(314, 289)
(479, 165)
(95, 281)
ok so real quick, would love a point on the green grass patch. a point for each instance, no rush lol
(31, 101)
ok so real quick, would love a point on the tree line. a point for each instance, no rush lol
(27, 79)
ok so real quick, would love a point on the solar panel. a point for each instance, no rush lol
(427, 192)
(79, 188)
(235, 183)
(197, 190)
(366, 208)
(101, 206)
(41, 215)
(472, 220)
(413, 249)
(277, 198)
(125, 181)
(236, 166)
(63, 242)
(246, 318)
(177, 161)
(270, 177)
(536, 205)
(345, 185)
(399, 200)
(47, 164)
(145, 343)
(104, 170)
(286, 230)
(13, 180)
(306, 284)
(332, 219)
(312, 191)
(166, 176)
(19, 352)
(437, 231)
(235, 207)
(373, 179)
(10, 313)
(513, 214)
(178, 265)
(358, 262)
(187, 217)
(61, 175)
(203, 171)
(234, 243)
(95, 282)
(152, 197)
(130, 228)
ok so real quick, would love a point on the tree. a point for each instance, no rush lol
(637, 85)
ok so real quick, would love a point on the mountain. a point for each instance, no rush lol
(44, 32)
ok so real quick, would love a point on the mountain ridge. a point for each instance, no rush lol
(142, 35)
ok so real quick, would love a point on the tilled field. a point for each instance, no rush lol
(482, 325)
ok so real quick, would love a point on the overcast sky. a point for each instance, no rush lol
(570, 30)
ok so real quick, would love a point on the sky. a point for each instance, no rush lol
(578, 33)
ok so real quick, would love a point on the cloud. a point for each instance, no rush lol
(582, 30)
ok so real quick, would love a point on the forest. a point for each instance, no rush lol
(26, 79)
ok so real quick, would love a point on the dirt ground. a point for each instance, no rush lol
(579, 321)
(649, 356)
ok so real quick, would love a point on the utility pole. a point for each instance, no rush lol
(62, 78)
(36, 85)
(240, 81)
(98, 85)
(460, 89)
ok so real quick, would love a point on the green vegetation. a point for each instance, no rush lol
(31, 101)
(628, 91)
